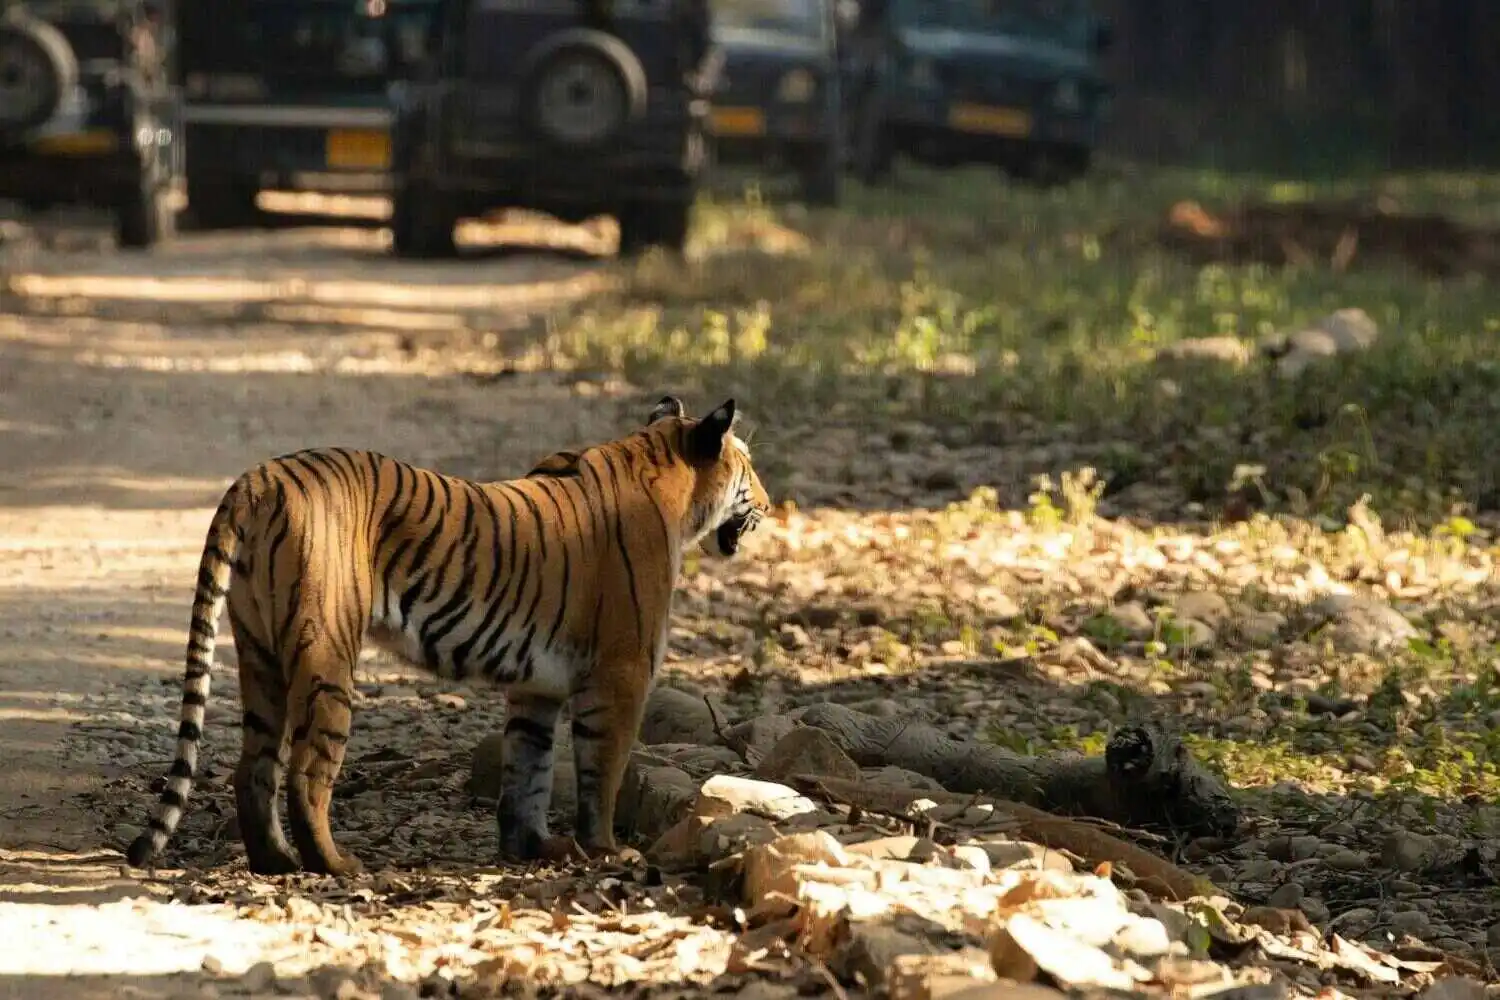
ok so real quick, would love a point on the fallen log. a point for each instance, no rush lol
(1146, 779)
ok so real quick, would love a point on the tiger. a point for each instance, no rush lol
(556, 587)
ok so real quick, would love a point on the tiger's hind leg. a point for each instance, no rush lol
(526, 778)
(606, 720)
(321, 709)
(263, 752)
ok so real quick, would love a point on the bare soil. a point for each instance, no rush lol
(133, 388)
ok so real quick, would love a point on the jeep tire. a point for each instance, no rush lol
(645, 224)
(38, 69)
(588, 73)
(144, 218)
(422, 222)
(823, 175)
(874, 147)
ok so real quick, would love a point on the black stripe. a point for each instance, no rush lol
(189, 731)
(194, 698)
(425, 479)
(180, 769)
(567, 569)
(583, 731)
(244, 634)
(635, 597)
(172, 797)
(291, 473)
(416, 584)
(256, 723)
(333, 691)
(533, 733)
(497, 576)
(447, 618)
(390, 520)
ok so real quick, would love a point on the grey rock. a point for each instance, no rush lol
(1359, 624)
(806, 750)
(1287, 896)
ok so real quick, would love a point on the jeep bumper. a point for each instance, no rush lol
(788, 136)
(348, 148)
(89, 168)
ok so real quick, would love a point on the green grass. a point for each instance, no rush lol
(1021, 315)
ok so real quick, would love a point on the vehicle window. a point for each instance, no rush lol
(799, 17)
(1061, 21)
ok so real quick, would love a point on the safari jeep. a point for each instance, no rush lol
(291, 94)
(86, 114)
(1013, 83)
(565, 107)
(777, 99)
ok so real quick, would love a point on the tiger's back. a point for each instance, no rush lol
(556, 586)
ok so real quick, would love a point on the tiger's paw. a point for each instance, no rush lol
(343, 864)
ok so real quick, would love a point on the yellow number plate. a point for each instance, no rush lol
(739, 121)
(359, 149)
(990, 121)
(77, 143)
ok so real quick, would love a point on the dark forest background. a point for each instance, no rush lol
(1400, 81)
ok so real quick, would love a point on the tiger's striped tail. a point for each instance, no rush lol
(208, 604)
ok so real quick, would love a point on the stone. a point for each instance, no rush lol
(1292, 848)
(1406, 851)
(1260, 627)
(806, 750)
(1133, 618)
(653, 797)
(1358, 624)
(725, 794)
(1286, 896)
(1192, 635)
(1203, 605)
(677, 716)
(259, 978)
(1413, 922)
(1455, 988)
(758, 736)
(872, 948)
(1347, 861)
(1355, 922)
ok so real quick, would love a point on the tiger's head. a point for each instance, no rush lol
(728, 500)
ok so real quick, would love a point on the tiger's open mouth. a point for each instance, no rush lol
(731, 531)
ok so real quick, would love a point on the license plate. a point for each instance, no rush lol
(739, 121)
(359, 149)
(78, 143)
(990, 120)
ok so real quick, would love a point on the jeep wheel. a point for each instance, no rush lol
(823, 175)
(875, 151)
(646, 224)
(1054, 166)
(145, 217)
(221, 203)
(581, 88)
(421, 222)
(37, 70)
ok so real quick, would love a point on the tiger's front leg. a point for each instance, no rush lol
(606, 721)
(526, 777)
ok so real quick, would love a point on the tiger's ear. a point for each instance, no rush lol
(561, 464)
(667, 406)
(705, 442)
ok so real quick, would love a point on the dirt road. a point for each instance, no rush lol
(132, 389)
